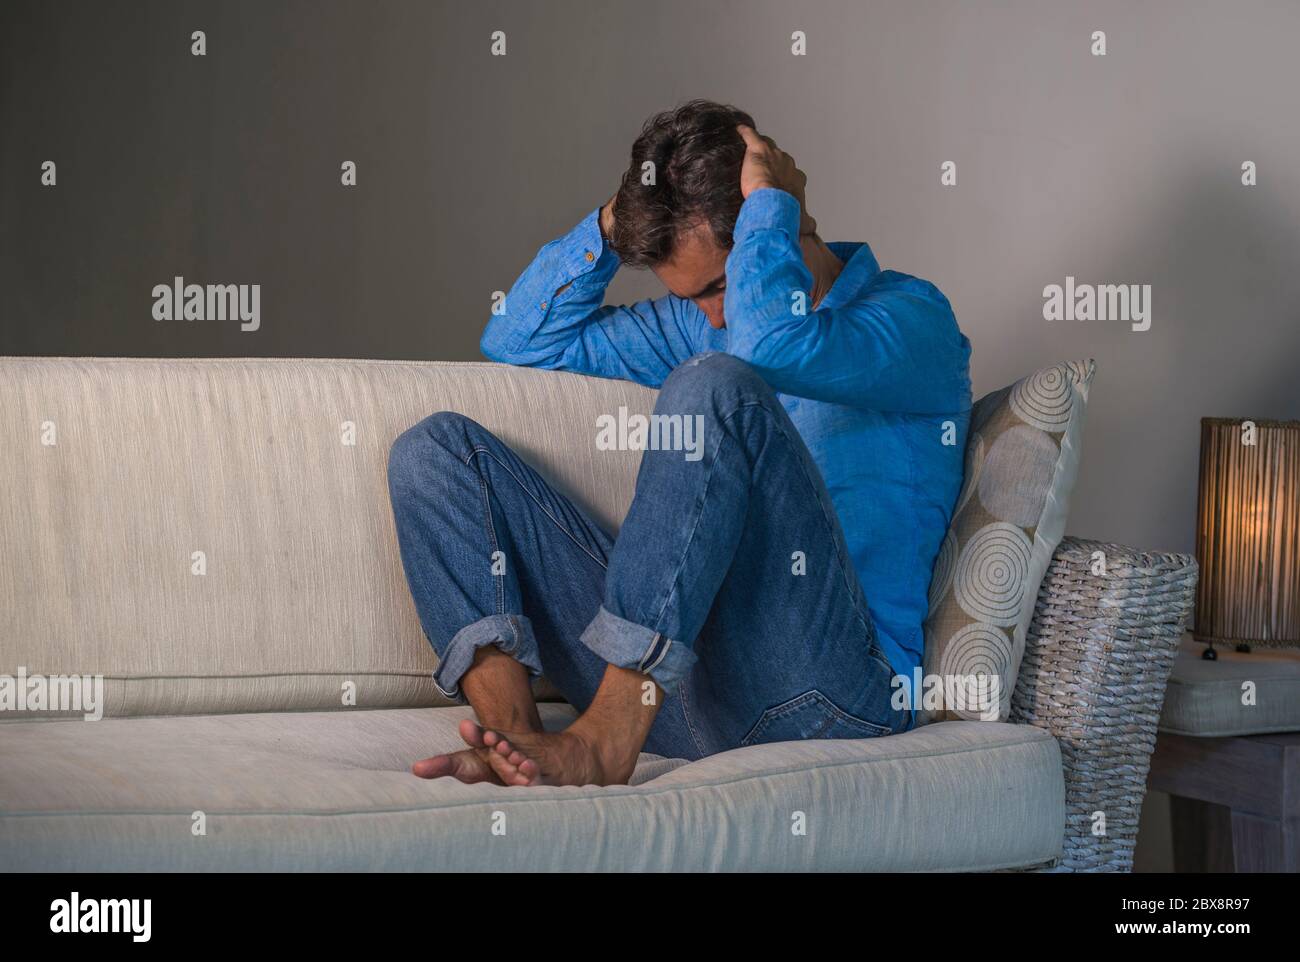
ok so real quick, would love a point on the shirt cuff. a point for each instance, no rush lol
(586, 250)
(768, 208)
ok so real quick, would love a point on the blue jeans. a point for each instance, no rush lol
(729, 584)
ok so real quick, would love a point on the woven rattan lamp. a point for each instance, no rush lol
(1248, 534)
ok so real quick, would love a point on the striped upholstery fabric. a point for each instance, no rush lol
(245, 461)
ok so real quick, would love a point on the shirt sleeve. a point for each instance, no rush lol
(553, 317)
(895, 347)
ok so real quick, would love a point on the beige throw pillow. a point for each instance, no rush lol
(1022, 455)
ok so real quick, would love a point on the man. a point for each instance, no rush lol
(768, 588)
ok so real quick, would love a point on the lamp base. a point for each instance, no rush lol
(1243, 647)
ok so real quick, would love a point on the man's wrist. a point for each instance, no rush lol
(771, 207)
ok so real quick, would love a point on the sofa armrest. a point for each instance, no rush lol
(1098, 654)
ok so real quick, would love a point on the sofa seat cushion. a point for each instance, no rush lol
(1205, 698)
(332, 791)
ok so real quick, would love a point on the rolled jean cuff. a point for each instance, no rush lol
(625, 644)
(513, 634)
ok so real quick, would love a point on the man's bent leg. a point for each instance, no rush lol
(732, 502)
(483, 539)
(729, 588)
(730, 583)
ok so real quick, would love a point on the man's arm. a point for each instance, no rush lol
(896, 347)
(554, 317)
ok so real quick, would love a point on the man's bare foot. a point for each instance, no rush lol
(498, 689)
(468, 765)
(569, 757)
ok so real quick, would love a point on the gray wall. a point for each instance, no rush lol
(1115, 169)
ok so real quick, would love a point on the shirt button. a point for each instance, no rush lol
(543, 305)
(590, 256)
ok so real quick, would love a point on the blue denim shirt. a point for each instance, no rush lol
(876, 379)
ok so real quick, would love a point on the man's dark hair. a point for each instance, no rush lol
(697, 154)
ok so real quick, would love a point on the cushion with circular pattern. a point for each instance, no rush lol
(1022, 455)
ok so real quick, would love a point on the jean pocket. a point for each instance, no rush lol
(810, 715)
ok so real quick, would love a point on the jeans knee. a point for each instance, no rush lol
(701, 381)
(417, 449)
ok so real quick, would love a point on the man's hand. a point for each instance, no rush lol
(607, 217)
(767, 165)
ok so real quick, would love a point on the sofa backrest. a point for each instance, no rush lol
(117, 473)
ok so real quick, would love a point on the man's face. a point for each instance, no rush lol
(697, 271)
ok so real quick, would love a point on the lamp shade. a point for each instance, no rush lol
(1248, 532)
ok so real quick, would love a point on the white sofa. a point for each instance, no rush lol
(214, 538)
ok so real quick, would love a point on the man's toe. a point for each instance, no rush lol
(471, 733)
(434, 767)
